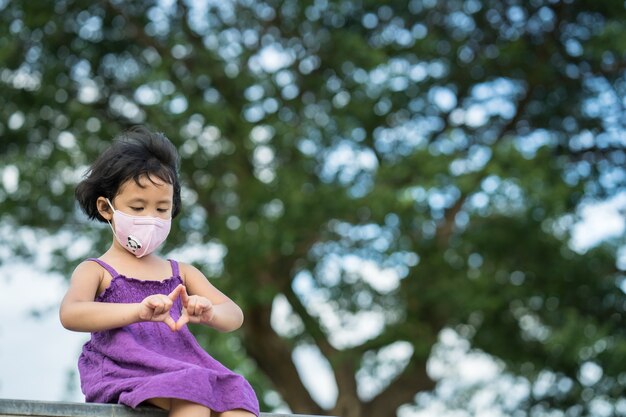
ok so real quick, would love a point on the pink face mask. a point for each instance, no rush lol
(140, 235)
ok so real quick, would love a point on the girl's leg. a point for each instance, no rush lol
(182, 408)
(163, 403)
(234, 413)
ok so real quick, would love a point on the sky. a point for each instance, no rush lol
(38, 356)
(36, 353)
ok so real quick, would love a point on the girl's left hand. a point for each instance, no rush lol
(196, 309)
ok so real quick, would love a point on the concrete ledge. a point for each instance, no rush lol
(20, 408)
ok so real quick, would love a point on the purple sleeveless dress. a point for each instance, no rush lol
(147, 360)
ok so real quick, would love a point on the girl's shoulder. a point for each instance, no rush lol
(88, 273)
(189, 272)
(88, 267)
(184, 269)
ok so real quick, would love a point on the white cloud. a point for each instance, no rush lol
(599, 221)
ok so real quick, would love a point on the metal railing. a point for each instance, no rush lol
(20, 408)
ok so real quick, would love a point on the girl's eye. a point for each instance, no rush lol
(162, 210)
(136, 208)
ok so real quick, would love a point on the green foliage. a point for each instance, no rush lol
(420, 163)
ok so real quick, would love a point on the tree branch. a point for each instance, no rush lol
(344, 364)
(402, 390)
(311, 324)
(273, 356)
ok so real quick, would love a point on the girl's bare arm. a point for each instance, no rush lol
(225, 316)
(79, 311)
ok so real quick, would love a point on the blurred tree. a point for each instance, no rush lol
(362, 176)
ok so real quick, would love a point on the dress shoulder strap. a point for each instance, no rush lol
(175, 269)
(106, 266)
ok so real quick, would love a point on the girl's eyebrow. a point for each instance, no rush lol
(141, 200)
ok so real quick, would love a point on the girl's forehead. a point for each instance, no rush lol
(146, 185)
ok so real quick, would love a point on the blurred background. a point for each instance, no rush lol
(419, 204)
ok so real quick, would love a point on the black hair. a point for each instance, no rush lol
(135, 153)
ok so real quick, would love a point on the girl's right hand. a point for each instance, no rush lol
(157, 307)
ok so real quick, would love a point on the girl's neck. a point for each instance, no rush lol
(149, 267)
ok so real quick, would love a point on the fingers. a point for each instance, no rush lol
(157, 308)
(192, 305)
(182, 320)
(199, 309)
(171, 323)
(195, 309)
(184, 296)
(159, 304)
(179, 292)
(176, 292)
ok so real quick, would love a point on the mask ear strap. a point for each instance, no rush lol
(110, 225)
(110, 205)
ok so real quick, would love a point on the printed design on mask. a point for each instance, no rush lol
(133, 243)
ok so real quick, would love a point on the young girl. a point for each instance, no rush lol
(137, 305)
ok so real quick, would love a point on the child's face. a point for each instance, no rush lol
(153, 197)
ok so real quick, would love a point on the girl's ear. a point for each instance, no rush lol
(103, 208)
